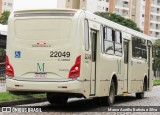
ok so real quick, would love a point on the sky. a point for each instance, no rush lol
(34, 4)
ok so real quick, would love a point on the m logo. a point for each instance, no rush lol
(40, 67)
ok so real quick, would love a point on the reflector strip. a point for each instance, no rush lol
(18, 85)
(62, 86)
(41, 43)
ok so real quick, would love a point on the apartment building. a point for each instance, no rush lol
(61, 4)
(7, 5)
(155, 18)
(146, 13)
(148, 16)
(89, 5)
(0, 7)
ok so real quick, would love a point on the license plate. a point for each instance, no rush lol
(40, 75)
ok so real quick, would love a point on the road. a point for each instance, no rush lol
(89, 106)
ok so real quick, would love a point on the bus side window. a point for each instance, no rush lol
(134, 41)
(139, 49)
(102, 41)
(86, 34)
(118, 43)
(108, 40)
(144, 49)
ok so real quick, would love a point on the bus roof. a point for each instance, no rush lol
(96, 18)
(121, 27)
(37, 10)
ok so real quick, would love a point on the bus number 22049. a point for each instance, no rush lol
(59, 54)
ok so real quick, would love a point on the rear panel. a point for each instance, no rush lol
(43, 44)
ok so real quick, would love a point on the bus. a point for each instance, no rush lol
(68, 53)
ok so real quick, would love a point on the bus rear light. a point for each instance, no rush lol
(9, 68)
(75, 69)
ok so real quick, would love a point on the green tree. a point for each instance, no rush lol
(4, 17)
(157, 43)
(119, 19)
(156, 54)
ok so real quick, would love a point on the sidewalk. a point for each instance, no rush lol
(2, 86)
(22, 102)
(18, 102)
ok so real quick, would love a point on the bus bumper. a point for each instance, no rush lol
(73, 86)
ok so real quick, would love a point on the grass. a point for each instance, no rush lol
(6, 96)
(156, 82)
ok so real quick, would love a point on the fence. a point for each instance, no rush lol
(2, 74)
(157, 74)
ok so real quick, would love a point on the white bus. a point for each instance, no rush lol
(69, 53)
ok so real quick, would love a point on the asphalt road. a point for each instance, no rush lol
(81, 106)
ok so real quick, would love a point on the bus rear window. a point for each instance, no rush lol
(43, 29)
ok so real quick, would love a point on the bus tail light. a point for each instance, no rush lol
(9, 68)
(75, 69)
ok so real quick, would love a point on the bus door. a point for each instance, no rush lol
(126, 58)
(93, 38)
(149, 59)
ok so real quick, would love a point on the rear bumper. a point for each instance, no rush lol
(70, 86)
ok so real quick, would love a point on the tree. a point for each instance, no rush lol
(156, 54)
(157, 43)
(4, 17)
(119, 19)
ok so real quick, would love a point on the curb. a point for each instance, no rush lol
(156, 84)
(20, 102)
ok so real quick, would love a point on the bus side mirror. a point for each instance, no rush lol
(149, 43)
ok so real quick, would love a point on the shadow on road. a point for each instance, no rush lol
(90, 105)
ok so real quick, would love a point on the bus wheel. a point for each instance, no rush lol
(141, 94)
(109, 100)
(57, 99)
(111, 97)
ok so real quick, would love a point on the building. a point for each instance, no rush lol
(155, 18)
(146, 13)
(89, 5)
(61, 3)
(0, 7)
(121, 7)
(7, 5)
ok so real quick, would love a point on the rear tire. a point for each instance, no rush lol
(109, 100)
(141, 94)
(57, 99)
